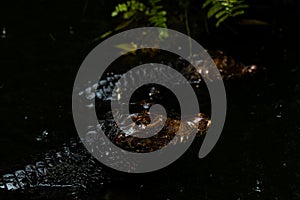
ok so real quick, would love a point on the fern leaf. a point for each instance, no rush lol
(239, 7)
(221, 13)
(221, 20)
(206, 3)
(213, 10)
(241, 12)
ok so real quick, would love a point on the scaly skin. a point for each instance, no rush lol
(71, 169)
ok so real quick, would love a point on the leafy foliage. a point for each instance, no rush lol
(223, 9)
(128, 9)
(156, 14)
(153, 11)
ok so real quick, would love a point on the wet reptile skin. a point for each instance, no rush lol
(71, 168)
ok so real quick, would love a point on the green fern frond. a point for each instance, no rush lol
(152, 11)
(223, 9)
(128, 9)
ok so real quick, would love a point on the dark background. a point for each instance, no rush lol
(258, 154)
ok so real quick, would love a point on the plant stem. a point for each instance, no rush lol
(84, 8)
(188, 29)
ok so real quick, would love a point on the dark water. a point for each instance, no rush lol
(257, 156)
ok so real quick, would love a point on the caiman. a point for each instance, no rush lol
(71, 171)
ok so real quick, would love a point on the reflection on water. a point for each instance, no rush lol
(3, 33)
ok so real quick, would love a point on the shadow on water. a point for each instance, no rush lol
(257, 156)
